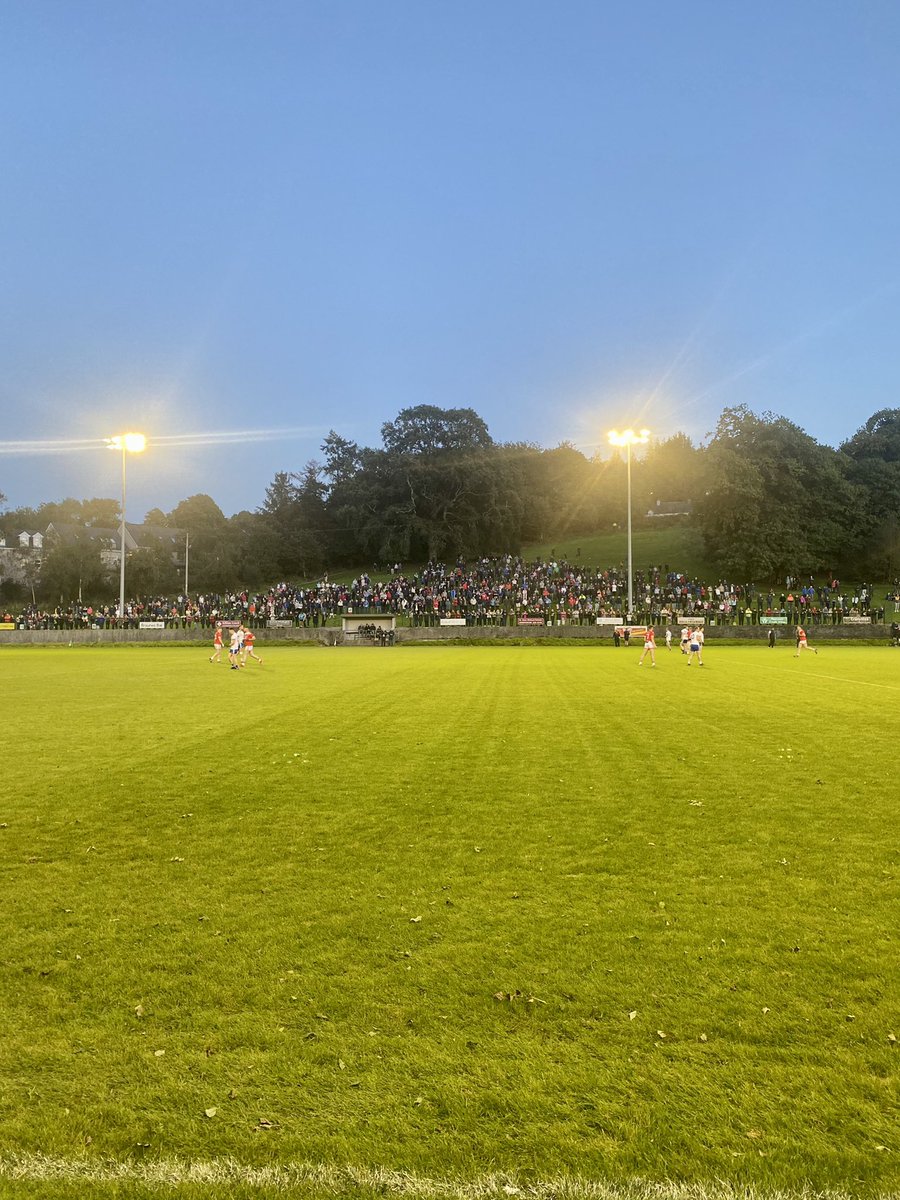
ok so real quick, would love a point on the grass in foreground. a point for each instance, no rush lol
(542, 914)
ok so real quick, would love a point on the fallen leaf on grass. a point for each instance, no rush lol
(139, 1010)
(158, 1053)
(892, 1038)
(265, 1123)
(414, 920)
(632, 1014)
(210, 1112)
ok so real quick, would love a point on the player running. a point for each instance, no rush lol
(249, 640)
(649, 647)
(802, 643)
(696, 646)
(217, 644)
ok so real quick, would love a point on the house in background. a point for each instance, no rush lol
(672, 508)
(109, 541)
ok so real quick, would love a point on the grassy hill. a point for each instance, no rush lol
(679, 546)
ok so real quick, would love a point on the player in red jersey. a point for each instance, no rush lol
(802, 643)
(217, 644)
(249, 639)
(649, 647)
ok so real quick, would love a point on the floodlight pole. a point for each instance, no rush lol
(134, 442)
(628, 439)
(122, 542)
(630, 613)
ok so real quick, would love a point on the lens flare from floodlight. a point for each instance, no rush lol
(134, 443)
(628, 437)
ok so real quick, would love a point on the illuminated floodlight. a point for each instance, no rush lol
(134, 443)
(628, 437)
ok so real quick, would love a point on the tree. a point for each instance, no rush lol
(72, 567)
(256, 547)
(295, 509)
(872, 459)
(775, 502)
(429, 430)
(342, 459)
(213, 560)
(151, 571)
(670, 470)
(100, 514)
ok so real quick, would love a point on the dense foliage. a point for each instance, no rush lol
(767, 498)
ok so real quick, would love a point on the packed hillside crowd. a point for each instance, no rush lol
(503, 590)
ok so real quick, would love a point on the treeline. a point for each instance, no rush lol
(768, 499)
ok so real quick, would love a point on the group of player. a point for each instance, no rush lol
(691, 644)
(240, 647)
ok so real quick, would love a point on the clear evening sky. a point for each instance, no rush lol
(219, 217)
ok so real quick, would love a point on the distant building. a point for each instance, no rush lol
(672, 508)
(20, 555)
(109, 541)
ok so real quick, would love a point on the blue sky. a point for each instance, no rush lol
(219, 217)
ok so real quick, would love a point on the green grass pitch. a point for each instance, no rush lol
(483, 921)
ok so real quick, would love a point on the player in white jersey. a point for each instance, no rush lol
(235, 648)
(695, 646)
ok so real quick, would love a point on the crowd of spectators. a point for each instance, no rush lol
(502, 590)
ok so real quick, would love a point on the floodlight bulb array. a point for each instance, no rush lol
(629, 438)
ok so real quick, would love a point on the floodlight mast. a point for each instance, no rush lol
(128, 443)
(629, 438)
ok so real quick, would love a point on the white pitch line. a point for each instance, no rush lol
(344, 1181)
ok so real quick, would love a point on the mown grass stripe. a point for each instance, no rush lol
(347, 1180)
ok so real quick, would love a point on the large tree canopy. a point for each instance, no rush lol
(768, 498)
(428, 430)
(775, 501)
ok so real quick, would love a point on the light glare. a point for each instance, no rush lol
(134, 443)
(628, 437)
